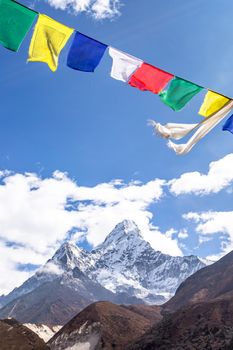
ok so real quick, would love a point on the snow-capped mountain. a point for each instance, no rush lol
(125, 262)
(123, 269)
(62, 263)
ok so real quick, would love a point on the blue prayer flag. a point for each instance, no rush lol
(85, 53)
(229, 124)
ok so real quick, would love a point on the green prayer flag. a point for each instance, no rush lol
(179, 93)
(15, 22)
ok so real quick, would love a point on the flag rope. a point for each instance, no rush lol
(138, 58)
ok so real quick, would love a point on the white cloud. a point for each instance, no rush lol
(183, 234)
(10, 258)
(4, 173)
(204, 239)
(163, 242)
(99, 9)
(51, 268)
(211, 223)
(220, 176)
(37, 214)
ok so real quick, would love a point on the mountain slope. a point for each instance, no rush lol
(206, 284)
(200, 326)
(199, 316)
(57, 301)
(102, 325)
(66, 258)
(14, 336)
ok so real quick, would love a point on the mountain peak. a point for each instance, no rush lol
(127, 226)
(68, 255)
(67, 248)
(127, 229)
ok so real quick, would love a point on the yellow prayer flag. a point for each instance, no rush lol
(48, 40)
(213, 102)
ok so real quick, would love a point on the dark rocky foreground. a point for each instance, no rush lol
(104, 325)
(199, 316)
(205, 326)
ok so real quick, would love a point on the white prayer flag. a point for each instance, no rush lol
(123, 65)
(172, 130)
(177, 131)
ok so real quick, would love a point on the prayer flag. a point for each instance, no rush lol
(85, 53)
(178, 131)
(48, 40)
(123, 65)
(179, 93)
(150, 78)
(172, 130)
(229, 124)
(15, 22)
(213, 102)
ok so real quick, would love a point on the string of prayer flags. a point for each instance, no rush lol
(15, 22)
(179, 93)
(213, 102)
(228, 126)
(48, 40)
(150, 78)
(123, 65)
(85, 53)
(50, 37)
(203, 128)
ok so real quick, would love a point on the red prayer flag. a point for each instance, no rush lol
(150, 78)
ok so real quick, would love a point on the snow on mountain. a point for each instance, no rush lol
(206, 262)
(61, 298)
(61, 265)
(124, 264)
(43, 331)
(69, 256)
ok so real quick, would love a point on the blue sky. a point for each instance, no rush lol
(94, 128)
